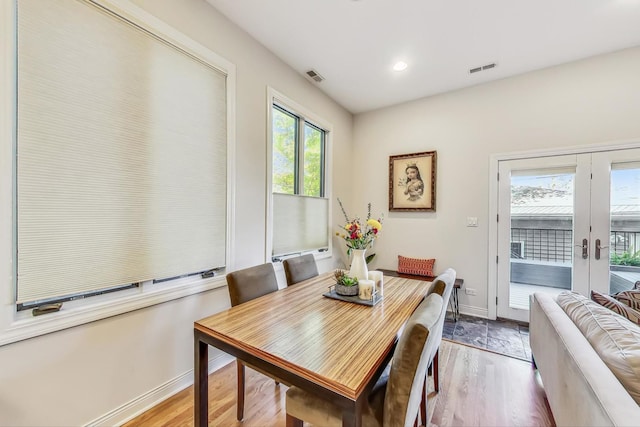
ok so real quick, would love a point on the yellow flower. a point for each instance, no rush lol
(375, 224)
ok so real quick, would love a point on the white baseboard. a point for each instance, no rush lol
(142, 403)
(474, 311)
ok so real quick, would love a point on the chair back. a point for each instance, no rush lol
(410, 362)
(300, 268)
(442, 285)
(250, 283)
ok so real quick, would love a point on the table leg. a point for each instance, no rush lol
(200, 383)
(349, 420)
(456, 305)
(352, 417)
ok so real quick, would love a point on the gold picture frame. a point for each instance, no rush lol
(412, 182)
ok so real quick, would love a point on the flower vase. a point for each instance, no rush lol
(359, 268)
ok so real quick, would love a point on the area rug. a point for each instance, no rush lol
(498, 336)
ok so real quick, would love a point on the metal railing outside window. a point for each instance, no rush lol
(624, 241)
(544, 244)
(556, 244)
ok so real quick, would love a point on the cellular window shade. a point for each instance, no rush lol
(300, 223)
(121, 154)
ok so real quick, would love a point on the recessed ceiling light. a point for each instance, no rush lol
(400, 66)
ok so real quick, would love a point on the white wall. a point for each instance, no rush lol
(75, 376)
(586, 102)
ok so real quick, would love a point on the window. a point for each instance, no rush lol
(120, 163)
(313, 176)
(298, 168)
(285, 137)
(298, 180)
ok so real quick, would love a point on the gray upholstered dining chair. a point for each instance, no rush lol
(441, 285)
(245, 285)
(395, 399)
(300, 268)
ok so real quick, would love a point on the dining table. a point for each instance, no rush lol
(332, 348)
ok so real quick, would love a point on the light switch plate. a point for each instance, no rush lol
(472, 221)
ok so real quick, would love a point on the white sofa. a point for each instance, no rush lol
(580, 388)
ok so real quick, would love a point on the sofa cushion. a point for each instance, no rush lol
(580, 388)
(630, 298)
(614, 338)
(417, 266)
(616, 306)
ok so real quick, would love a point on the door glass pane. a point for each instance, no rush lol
(284, 152)
(624, 244)
(541, 234)
(313, 142)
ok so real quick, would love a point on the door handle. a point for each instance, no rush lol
(598, 247)
(585, 248)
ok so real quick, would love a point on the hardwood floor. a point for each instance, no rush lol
(477, 388)
(481, 388)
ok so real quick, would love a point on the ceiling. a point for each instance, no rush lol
(353, 44)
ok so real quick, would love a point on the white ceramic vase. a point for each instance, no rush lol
(359, 268)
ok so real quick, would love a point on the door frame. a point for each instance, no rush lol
(492, 268)
(580, 165)
(600, 222)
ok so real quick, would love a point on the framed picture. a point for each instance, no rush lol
(412, 182)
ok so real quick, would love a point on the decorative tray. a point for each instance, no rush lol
(354, 299)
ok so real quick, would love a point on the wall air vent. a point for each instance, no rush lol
(313, 75)
(482, 68)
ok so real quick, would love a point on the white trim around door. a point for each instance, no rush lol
(495, 159)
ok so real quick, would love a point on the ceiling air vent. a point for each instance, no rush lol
(313, 75)
(482, 68)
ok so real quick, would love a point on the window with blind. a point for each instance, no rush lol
(121, 153)
(300, 208)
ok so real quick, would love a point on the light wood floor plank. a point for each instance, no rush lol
(478, 388)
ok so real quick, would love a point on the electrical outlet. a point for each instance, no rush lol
(470, 291)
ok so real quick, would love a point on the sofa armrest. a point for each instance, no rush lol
(580, 388)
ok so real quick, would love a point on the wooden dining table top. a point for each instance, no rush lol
(335, 344)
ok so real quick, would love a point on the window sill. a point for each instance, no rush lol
(24, 326)
(318, 255)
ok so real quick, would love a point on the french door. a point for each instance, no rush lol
(569, 222)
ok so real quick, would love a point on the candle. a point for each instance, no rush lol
(377, 277)
(365, 289)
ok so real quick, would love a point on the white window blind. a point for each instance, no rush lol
(299, 223)
(121, 154)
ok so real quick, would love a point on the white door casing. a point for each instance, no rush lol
(591, 221)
